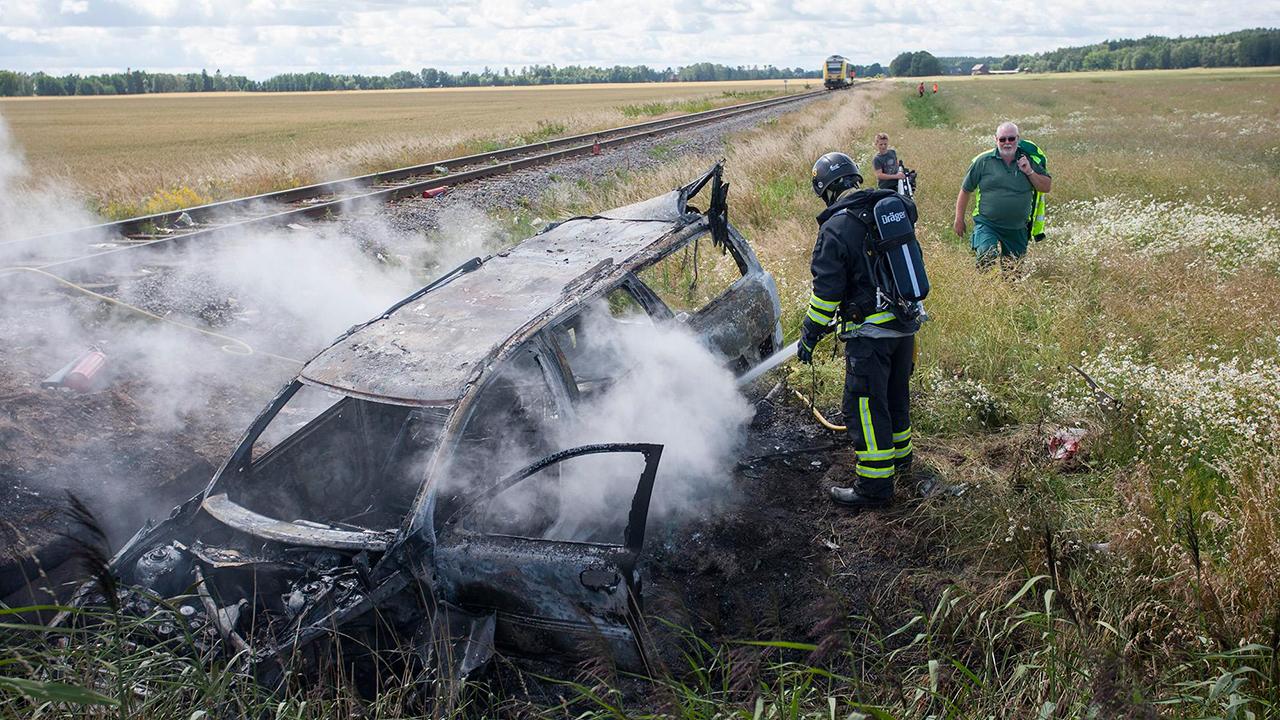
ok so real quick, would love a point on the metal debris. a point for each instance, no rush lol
(84, 374)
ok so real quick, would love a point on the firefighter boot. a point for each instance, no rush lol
(860, 499)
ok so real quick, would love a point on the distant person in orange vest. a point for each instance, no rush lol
(935, 88)
(920, 88)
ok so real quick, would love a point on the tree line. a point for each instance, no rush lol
(1243, 48)
(134, 82)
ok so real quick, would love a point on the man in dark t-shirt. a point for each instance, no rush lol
(887, 168)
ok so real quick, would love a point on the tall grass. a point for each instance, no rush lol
(109, 664)
(929, 111)
(1158, 280)
(1134, 580)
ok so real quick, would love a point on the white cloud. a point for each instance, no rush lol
(262, 37)
(159, 9)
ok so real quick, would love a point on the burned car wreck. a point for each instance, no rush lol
(402, 491)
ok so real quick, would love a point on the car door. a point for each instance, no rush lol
(723, 294)
(505, 551)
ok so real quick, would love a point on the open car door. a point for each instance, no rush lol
(714, 283)
(559, 576)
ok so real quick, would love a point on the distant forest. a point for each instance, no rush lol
(1243, 48)
(133, 82)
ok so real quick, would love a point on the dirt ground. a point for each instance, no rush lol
(780, 562)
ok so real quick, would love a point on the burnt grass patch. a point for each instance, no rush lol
(779, 563)
(780, 575)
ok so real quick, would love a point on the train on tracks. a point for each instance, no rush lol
(837, 73)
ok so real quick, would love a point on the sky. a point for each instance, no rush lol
(260, 38)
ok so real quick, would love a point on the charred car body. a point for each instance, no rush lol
(341, 513)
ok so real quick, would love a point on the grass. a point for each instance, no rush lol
(1136, 580)
(929, 111)
(695, 105)
(112, 665)
(120, 153)
(1157, 279)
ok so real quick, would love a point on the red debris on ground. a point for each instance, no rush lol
(1065, 443)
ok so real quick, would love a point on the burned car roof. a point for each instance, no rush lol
(424, 352)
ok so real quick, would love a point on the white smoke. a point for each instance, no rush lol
(463, 232)
(286, 292)
(28, 207)
(672, 391)
(638, 383)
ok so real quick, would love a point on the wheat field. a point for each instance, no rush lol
(135, 153)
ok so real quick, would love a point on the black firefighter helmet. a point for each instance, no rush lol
(834, 173)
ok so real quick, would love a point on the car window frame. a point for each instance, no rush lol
(637, 513)
(641, 293)
(736, 248)
(561, 389)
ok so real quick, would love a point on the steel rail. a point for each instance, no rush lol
(490, 165)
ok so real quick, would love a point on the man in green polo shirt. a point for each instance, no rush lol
(1006, 180)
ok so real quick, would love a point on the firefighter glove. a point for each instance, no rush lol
(804, 352)
(809, 337)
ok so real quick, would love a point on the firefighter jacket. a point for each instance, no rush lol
(844, 284)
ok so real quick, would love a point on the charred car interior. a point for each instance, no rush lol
(405, 489)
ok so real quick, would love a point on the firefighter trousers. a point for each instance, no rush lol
(877, 409)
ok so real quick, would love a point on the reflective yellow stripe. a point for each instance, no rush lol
(903, 451)
(878, 455)
(828, 305)
(879, 318)
(822, 311)
(904, 435)
(868, 430)
(871, 472)
(817, 316)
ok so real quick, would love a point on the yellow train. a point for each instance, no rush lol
(836, 73)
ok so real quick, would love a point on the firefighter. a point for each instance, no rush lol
(878, 344)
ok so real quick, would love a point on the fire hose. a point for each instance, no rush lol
(777, 359)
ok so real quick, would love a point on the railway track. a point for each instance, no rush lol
(73, 253)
